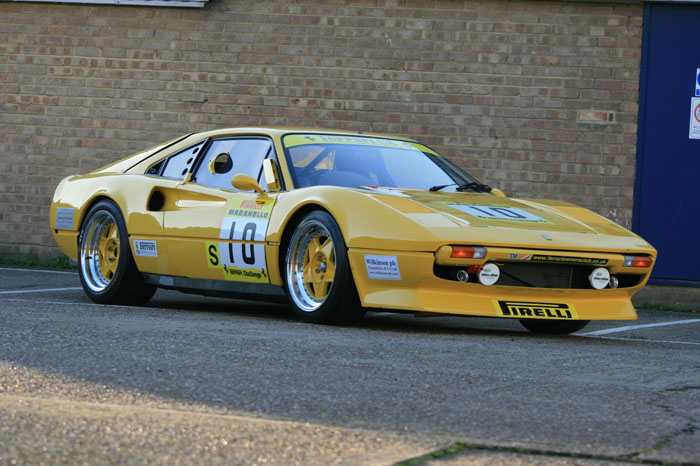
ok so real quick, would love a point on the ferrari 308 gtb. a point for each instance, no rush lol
(338, 223)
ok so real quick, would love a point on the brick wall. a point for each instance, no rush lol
(536, 98)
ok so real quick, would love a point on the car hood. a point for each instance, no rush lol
(483, 218)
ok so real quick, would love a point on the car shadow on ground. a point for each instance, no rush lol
(382, 320)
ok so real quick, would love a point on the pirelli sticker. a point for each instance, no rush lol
(240, 253)
(535, 310)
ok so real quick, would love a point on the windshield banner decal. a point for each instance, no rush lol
(294, 140)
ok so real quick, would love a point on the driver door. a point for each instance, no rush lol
(215, 231)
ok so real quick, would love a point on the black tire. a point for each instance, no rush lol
(553, 327)
(106, 267)
(318, 279)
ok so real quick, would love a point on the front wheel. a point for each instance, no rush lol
(318, 278)
(107, 269)
(553, 327)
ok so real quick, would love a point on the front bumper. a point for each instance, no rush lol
(406, 281)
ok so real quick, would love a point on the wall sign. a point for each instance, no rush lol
(695, 118)
(697, 83)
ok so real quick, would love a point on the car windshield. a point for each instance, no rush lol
(357, 161)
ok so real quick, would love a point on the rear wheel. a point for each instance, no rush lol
(318, 278)
(553, 327)
(107, 269)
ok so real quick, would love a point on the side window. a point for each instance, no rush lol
(244, 156)
(177, 166)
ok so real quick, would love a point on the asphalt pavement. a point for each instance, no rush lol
(195, 380)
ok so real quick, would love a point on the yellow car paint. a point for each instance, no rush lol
(186, 224)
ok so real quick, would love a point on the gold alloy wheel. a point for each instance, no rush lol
(310, 265)
(99, 252)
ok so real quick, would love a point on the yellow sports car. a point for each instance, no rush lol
(338, 223)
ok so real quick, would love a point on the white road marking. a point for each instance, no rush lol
(635, 327)
(45, 290)
(70, 303)
(37, 270)
(641, 340)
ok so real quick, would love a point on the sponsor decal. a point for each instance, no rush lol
(382, 267)
(244, 257)
(512, 256)
(567, 259)
(489, 274)
(599, 278)
(293, 140)
(253, 205)
(535, 310)
(498, 212)
(240, 254)
(145, 248)
(249, 208)
(64, 218)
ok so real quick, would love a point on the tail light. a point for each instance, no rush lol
(637, 261)
(468, 252)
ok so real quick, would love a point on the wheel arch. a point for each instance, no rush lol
(288, 229)
(89, 205)
(337, 303)
(106, 266)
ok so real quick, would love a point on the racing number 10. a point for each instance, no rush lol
(248, 254)
(499, 212)
(241, 245)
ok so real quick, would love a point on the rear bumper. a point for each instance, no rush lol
(405, 281)
(67, 241)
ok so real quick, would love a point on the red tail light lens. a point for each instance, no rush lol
(637, 261)
(468, 252)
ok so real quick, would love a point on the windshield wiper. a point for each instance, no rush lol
(478, 187)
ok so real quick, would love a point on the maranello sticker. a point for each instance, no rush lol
(145, 248)
(382, 267)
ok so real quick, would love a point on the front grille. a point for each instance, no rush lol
(540, 275)
(544, 275)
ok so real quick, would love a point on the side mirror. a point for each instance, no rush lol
(246, 183)
(497, 192)
(221, 164)
(271, 175)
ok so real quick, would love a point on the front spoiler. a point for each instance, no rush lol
(411, 285)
